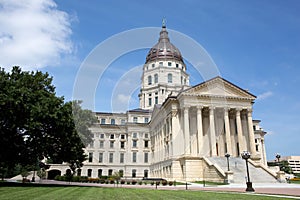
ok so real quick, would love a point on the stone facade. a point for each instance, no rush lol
(177, 127)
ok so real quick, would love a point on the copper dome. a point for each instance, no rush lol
(164, 49)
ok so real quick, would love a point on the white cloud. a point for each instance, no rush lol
(264, 95)
(33, 33)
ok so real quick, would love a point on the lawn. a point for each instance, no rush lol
(90, 193)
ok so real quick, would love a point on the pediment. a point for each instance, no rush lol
(218, 87)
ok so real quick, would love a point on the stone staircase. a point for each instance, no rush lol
(238, 167)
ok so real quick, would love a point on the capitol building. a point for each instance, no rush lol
(179, 132)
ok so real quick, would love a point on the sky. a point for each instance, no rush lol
(253, 44)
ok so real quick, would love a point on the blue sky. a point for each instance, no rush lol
(254, 44)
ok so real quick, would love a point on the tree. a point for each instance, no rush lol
(36, 124)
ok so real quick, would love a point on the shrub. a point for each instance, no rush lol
(145, 182)
(122, 182)
(128, 182)
(76, 179)
(157, 182)
(84, 179)
(140, 182)
(152, 182)
(102, 181)
(170, 183)
(133, 182)
(164, 183)
(112, 181)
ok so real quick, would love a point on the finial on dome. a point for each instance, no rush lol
(164, 22)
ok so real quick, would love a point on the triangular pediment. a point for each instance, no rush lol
(218, 87)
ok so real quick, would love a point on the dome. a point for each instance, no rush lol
(164, 49)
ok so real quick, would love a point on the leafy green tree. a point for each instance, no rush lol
(36, 124)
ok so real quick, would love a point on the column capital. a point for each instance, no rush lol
(249, 112)
(199, 107)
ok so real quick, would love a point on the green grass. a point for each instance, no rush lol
(90, 193)
(296, 182)
(210, 183)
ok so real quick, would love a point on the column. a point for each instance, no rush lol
(240, 131)
(187, 141)
(227, 131)
(200, 130)
(212, 131)
(251, 133)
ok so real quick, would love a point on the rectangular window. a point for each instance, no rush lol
(146, 144)
(110, 172)
(101, 144)
(89, 172)
(169, 64)
(111, 144)
(111, 157)
(134, 143)
(135, 119)
(133, 173)
(177, 65)
(121, 157)
(99, 173)
(134, 135)
(122, 137)
(160, 63)
(256, 147)
(100, 157)
(153, 65)
(149, 101)
(113, 121)
(102, 121)
(146, 120)
(112, 136)
(122, 145)
(146, 135)
(156, 100)
(122, 121)
(134, 157)
(101, 136)
(90, 157)
(146, 157)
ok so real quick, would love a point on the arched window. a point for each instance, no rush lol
(149, 80)
(133, 173)
(155, 78)
(170, 78)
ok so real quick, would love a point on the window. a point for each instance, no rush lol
(256, 147)
(90, 172)
(153, 65)
(156, 100)
(177, 65)
(111, 157)
(146, 157)
(101, 144)
(146, 120)
(121, 157)
(146, 144)
(134, 157)
(170, 78)
(122, 137)
(101, 136)
(134, 135)
(111, 144)
(146, 135)
(134, 143)
(90, 157)
(78, 172)
(155, 78)
(133, 173)
(150, 101)
(122, 121)
(112, 136)
(122, 145)
(160, 63)
(121, 172)
(110, 172)
(146, 173)
(149, 80)
(100, 157)
(135, 119)
(169, 64)
(113, 121)
(99, 173)
(102, 121)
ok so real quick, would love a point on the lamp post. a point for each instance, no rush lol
(278, 159)
(246, 155)
(227, 155)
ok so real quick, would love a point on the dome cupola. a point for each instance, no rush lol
(164, 49)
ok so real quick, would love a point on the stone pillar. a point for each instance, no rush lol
(200, 129)
(251, 133)
(240, 131)
(187, 142)
(227, 132)
(212, 131)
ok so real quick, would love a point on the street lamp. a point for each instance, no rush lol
(246, 155)
(278, 159)
(227, 155)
